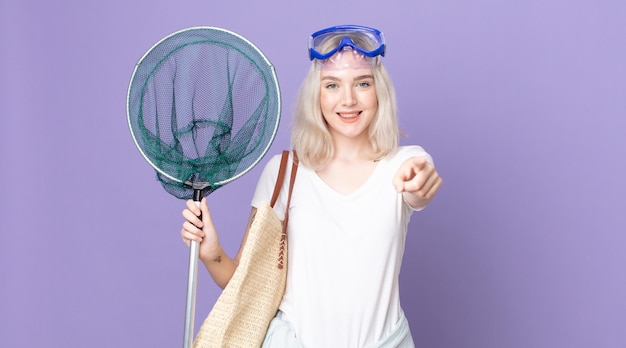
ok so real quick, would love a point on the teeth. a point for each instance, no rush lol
(352, 115)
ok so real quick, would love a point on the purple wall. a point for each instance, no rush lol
(521, 103)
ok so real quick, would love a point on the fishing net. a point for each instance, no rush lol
(203, 108)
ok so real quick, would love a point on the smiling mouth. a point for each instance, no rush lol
(349, 115)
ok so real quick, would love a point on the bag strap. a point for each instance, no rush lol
(292, 180)
(280, 178)
(279, 183)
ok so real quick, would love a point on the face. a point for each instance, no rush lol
(348, 96)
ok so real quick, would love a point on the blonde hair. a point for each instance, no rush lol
(310, 136)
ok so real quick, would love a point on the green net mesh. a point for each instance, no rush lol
(203, 107)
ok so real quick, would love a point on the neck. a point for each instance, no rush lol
(352, 149)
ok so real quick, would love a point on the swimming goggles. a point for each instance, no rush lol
(374, 35)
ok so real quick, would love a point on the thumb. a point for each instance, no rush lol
(398, 184)
(205, 213)
(404, 174)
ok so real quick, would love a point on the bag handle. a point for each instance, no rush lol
(280, 178)
(279, 183)
(292, 180)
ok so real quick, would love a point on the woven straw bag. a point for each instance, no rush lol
(242, 313)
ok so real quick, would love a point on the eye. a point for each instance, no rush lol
(331, 85)
(364, 84)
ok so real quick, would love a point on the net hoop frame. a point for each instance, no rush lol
(274, 79)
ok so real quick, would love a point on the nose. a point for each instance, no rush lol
(348, 97)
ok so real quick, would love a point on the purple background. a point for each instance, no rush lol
(521, 103)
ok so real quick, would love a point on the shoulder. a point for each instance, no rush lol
(266, 182)
(273, 164)
(271, 169)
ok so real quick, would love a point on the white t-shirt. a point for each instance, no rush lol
(344, 253)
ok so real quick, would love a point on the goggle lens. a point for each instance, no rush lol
(374, 36)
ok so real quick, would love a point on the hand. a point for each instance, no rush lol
(202, 231)
(419, 179)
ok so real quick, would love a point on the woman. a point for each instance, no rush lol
(351, 203)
